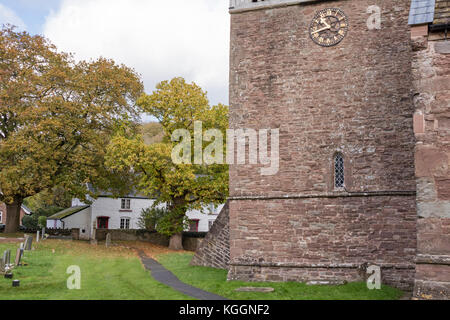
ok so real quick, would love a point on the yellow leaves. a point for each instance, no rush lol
(58, 116)
(177, 105)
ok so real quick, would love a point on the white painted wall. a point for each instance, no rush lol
(80, 220)
(54, 224)
(108, 207)
(111, 208)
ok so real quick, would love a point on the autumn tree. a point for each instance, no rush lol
(56, 118)
(178, 186)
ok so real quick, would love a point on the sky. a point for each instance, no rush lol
(160, 39)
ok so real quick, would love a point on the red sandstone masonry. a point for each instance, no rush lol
(214, 251)
(340, 234)
(431, 71)
(355, 98)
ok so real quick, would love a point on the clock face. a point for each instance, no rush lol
(329, 27)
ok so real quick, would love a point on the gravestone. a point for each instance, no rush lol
(94, 236)
(5, 263)
(37, 236)
(7, 257)
(28, 243)
(2, 266)
(19, 254)
(108, 240)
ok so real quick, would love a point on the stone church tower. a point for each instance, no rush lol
(363, 112)
(341, 95)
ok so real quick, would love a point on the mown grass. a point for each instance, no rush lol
(116, 273)
(214, 280)
(106, 274)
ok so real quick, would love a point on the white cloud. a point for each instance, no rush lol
(9, 16)
(161, 39)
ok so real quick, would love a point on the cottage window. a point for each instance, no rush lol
(125, 204)
(339, 176)
(1, 216)
(124, 223)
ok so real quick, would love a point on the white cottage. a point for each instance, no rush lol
(109, 213)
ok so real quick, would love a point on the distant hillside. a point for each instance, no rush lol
(152, 132)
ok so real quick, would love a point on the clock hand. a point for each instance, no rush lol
(323, 21)
(326, 28)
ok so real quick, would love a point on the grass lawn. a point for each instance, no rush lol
(214, 280)
(116, 273)
(106, 274)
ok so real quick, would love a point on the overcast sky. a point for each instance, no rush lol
(161, 39)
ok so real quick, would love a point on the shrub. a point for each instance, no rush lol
(163, 220)
(42, 221)
(30, 222)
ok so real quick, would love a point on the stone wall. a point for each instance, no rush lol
(133, 235)
(354, 98)
(214, 250)
(431, 70)
(323, 239)
(190, 243)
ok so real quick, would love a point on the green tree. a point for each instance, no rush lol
(56, 119)
(42, 221)
(177, 105)
(56, 197)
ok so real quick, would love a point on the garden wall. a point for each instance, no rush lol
(190, 240)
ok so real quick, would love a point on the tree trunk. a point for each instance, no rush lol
(176, 242)
(13, 216)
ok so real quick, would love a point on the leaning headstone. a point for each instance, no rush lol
(37, 236)
(108, 240)
(7, 258)
(19, 254)
(28, 243)
(2, 266)
(5, 264)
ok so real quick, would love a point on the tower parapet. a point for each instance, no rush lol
(247, 5)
